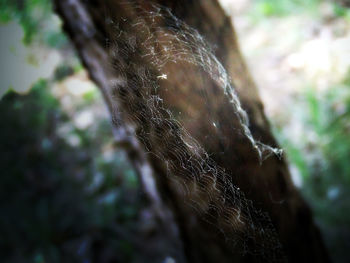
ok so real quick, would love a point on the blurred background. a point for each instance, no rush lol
(67, 194)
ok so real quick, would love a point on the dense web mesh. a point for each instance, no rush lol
(141, 52)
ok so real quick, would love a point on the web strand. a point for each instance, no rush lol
(141, 52)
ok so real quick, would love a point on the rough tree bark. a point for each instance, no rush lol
(268, 184)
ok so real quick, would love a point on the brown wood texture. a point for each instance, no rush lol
(266, 184)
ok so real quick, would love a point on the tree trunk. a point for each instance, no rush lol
(159, 77)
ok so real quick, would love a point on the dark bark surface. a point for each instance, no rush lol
(268, 184)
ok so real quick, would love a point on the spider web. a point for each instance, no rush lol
(141, 52)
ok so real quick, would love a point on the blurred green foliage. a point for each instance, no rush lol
(36, 18)
(64, 203)
(263, 8)
(66, 193)
(60, 203)
(321, 155)
(284, 7)
(315, 132)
